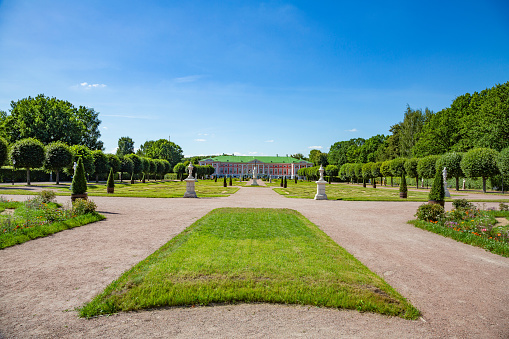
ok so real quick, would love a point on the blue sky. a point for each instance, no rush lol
(247, 77)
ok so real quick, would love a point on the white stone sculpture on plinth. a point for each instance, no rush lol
(320, 186)
(444, 174)
(254, 183)
(190, 192)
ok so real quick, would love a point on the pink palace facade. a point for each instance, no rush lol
(237, 166)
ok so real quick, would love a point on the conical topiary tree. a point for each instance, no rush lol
(403, 191)
(79, 181)
(231, 180)
(437, 192)
(110, 185)
(286, 183)
(224, 181)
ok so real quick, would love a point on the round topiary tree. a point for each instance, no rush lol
(451, 161)
(358, 171)
(4, 148)
(27, 153)
(145, 164)
(426, 167)
(179, 168)
(58, 156)
(437, 193)
(137, 164)
(375, 172)
(480, 162)
(83, 152)
(79, 182)
(385, 170)
(114, 162)
(366, 172)
(503, 163)
(126, 166)
(101, 164)
(110, 185)
(411, 170)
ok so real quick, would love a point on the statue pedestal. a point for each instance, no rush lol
(254, 183)
(320, 190)
(190, 192)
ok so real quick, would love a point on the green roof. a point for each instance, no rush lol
(261, 159)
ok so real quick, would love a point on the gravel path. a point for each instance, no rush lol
(461, 290)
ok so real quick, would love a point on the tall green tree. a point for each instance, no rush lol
(480, 162)
(411, 169)
(410, 129)
(125, 146)
(27, 153)
(82, 151)
(318, 158)
(162, 149)
(126, 166)
(114, 162)
(137, 164)
(4, 149)
(58, 155)
(338, 153)
(50, 119)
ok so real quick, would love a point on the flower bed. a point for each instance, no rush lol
(469, 225)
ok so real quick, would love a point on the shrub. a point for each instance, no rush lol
(402, 186)
(461, 203)
(480, 162)
(79, 181)
(437, 192)
(430, 212)
(47, 196)
(224, 181)
(503, 207)
(82, 206)
(111, 181)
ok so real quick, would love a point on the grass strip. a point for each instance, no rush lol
(235, 255)
(491, 245)
(25, 234)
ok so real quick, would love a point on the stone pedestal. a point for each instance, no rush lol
(190, 192)
(320, 186)
(254, 183)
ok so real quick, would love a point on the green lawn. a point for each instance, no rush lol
(250, 255)
(150, 189)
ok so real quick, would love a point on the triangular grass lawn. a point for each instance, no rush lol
(236, 255)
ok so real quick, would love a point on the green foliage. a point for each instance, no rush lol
(126, 165)
(27, 153)
(179, 168)
(50, 119)
(411, 167)
(480, 162)
(398, 166)
(462, 203)
(79, 181)
(375, 169)
(452, 161)
(437, 192)
(57, 157)
(114, 162)
(426, 167)
(4, 147)
(224, 182)
(402, 186)
(83, 206)
(111, 181)
(331, 170)
(503, 162)
(125, 146)
(101, 162)
(385, 169)
(137, 164)
(162, 149)
(366, 170)
(318, 158)
(83, 152)
(357, 170)
(430, 212)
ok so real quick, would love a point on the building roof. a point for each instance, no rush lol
(252, 159)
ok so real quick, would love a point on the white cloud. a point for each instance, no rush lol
(189, 78)
(86, 85)
(351, 130)
(204, 134)
(269, 140)
(253, 153)
(200, 140)
(127, 116)
(315, 147)
(104, 127)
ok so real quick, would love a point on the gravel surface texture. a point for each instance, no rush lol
(461, 290)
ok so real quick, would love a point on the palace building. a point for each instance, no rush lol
(236, 166)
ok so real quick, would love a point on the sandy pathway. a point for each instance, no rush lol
(461, 290)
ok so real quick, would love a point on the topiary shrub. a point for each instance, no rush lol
(402, 187)
(480, 162)
(111, 182)
(224, 181)
(27, 153)
(79, 181)
(285, 184)
(231, 180)
(437, 192)
(430, 212)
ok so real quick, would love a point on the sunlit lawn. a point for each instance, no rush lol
(341, 191)
(251, 255)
